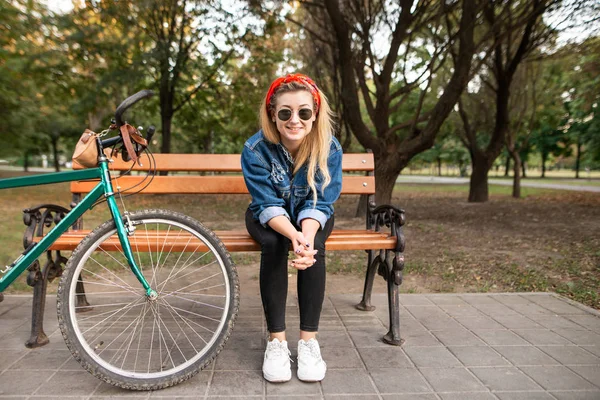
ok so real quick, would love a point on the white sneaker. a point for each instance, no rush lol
(276, 365)
(311, 367)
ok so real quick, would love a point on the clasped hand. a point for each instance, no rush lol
(303, 251)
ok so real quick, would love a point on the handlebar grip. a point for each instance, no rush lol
(128, 102)
(151, 130)
(111, 141)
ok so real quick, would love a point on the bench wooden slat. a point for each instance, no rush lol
(234, 241)
(212, 185)
(221, 162)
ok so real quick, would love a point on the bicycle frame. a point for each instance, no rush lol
(104, 188)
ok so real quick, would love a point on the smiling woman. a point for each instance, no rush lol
(292, 168)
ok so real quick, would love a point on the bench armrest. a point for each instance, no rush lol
(39, 217)
(391, 217)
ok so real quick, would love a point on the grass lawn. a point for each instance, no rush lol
(546, 241)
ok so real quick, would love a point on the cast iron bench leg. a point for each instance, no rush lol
(39, 281)
(365, 303)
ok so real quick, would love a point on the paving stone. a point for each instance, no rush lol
(495, 310)
(236, 383)
(246, 340)
(114, 397)
(426, 312)
(458, 337)
(293, 387)
(530, 309)
(339, 357)
(480, 322)
(500, 338)
(478, 299)
(367, 338)
(557, 378)
(414, 300)
(445, 299)
(517, 322)
(525, 355)
(281, 397)
(38, 359)
(505, 378)
(399, 380)
(572, 395)
(512, 299)
(233, 360)
(333, 339)
(361, 321)
(351, 397)
(557, 306)
(570, 355)
(468, 396)
(593, 349)
(22, 382)
(452, 380)
(555, 322)
(460, 310)
(432, 357)
(524, 396)
(541, 337)
(437, 324)
(478, 356)
(349, 381)
(412, 396)
(9, 357)
(80, 383)
(379, 357)
(580, 337)
(589, 321)
(591, 373)
(423, 338)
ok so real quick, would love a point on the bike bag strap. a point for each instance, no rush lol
(129, 133)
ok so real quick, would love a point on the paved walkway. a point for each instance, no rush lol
(471, 347)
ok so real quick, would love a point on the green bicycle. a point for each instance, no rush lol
(148, 298)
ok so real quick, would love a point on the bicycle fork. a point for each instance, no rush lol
(123, 231)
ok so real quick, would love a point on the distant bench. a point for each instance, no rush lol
(384, 248)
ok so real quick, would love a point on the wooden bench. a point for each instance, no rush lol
(382, 239)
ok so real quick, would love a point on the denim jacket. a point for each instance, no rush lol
(268, 168)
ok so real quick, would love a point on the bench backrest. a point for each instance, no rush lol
(228, 181)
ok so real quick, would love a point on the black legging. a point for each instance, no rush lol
(274, 276)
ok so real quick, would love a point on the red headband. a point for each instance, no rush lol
(300, 78)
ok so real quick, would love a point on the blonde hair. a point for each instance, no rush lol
(315, 146)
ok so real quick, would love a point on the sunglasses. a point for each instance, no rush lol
(285, 114)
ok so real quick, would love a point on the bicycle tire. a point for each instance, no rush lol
(179, 308)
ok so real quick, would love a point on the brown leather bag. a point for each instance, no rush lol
(86, 151)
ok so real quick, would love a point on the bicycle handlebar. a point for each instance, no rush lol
(128, 102)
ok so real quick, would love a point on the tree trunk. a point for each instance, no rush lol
(524, 169)
(478, 185)
(544, 159)
(578, 158)
(361, 209)
(26, 161)
(439, 165)
(516, 192)
(507, 168)
(54, 141)
(387, 170)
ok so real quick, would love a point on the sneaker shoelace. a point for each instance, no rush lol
(313, 348)
(277, 349)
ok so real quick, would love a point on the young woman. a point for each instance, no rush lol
(293, 170)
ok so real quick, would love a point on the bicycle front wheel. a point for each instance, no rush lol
(132, 341)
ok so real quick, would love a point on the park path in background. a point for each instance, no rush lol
(501, 182)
